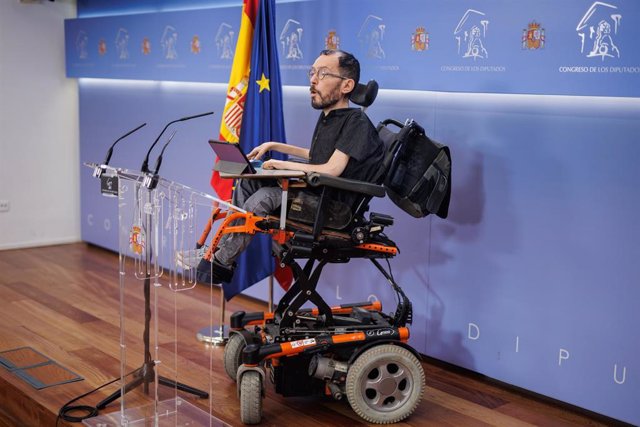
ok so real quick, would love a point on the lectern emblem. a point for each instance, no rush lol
(136, 240)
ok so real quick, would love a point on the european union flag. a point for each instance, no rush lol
(262, 121)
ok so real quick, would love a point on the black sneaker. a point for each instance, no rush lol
(214, 271)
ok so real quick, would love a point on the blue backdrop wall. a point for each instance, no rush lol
(532, 279)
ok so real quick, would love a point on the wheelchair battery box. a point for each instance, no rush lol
(291, 377)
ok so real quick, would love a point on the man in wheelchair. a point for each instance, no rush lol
(353, 350)
(345, 144)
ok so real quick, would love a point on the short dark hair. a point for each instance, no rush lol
(348, 64)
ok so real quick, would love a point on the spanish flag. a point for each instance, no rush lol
(237, 90)
(253, 115)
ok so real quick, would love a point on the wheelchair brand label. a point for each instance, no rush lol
(303, 343)
(380, 332)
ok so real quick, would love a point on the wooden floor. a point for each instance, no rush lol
(63, 301)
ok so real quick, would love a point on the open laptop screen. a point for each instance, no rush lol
(232, 158)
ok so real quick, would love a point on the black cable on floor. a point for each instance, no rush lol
(89, 411)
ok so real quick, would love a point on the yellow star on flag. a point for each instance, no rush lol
(263, 83)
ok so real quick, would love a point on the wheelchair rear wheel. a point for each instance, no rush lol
(385, 384)
(251, 397)
(233, 355)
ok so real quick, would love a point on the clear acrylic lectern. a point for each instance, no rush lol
(159, 356)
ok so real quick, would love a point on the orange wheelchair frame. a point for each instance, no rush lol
(352, 350)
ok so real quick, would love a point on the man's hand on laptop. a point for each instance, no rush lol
(287, 165)
(258, 152)
(273, 164)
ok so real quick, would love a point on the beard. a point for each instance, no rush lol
(321, 101)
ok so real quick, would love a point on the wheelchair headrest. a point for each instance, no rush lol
(364, 95)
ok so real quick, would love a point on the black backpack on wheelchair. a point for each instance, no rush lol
(353, 350)
(418, 177)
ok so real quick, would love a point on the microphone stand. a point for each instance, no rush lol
(146, 373)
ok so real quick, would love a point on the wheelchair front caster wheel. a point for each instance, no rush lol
(385, 384)
(251, 397)
(233, 355)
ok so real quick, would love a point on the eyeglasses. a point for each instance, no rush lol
(322, 73)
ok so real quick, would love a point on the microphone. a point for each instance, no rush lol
(145, 163)
(100, 169)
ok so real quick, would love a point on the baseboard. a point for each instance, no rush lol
(40, 243)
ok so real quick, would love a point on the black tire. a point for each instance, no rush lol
(385, 384)
(251, 397)
(233, 355)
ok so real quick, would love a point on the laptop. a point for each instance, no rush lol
(232, 159)
(234, 162)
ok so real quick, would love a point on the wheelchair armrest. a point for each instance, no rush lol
(316, 179)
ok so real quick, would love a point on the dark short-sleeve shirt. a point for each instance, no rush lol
(350, 131)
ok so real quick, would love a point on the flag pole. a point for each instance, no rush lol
(270, 307)
(220, 340)
(215, 334)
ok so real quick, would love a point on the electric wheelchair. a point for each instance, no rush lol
(353, 350)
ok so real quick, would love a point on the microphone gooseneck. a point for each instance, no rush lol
(145, 163)
(110, 151)
(159, 160)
